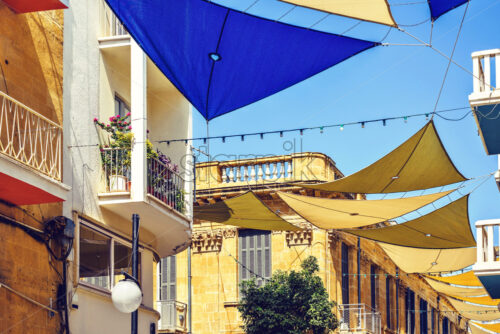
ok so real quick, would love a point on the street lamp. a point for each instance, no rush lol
(126, 294)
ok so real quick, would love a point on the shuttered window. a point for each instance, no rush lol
(445, 326)
(254, 255)
(388, 302)
(373, 286)
(433, 321)
(423, 317)
(345, 274)
(168, 278)
(410, 311)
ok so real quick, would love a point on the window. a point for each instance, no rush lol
(373, 286)
(445, 326)
(345, 274)
(168, 278)
(254, 255)
(423, 317)
(410, 311)
(121, 107)
(433, 320)
(103, 257)
(388, 301)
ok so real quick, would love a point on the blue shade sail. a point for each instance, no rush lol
(440, 7)
(222, 59)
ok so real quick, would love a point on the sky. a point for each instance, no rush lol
(385, 81)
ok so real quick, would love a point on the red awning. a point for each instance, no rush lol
(26, 6)
(18, 192)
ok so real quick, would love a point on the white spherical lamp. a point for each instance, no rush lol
(126, 296)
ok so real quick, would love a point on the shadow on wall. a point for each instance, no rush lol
(31, 64)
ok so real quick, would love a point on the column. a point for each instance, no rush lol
(138, 102)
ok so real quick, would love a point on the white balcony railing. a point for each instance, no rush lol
(487, 253)
(257, 171)
(110, 24)
(30, 138)
(173, 316)
(359, 318)
(163, 182)
(482, 62)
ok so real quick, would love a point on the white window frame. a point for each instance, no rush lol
(159, 281)
(114, 237)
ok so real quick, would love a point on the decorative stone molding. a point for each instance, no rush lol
(301, 237)
(207, 241)
(333, 238)
(229, 232)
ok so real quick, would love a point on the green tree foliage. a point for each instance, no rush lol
(290, 303)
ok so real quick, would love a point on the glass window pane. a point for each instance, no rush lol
(94, 257)
(123, 261)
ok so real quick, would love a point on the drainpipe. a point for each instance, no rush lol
(397, 299)
(190, 277)
(135, 265)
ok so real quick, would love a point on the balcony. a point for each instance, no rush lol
(486, 96)
(359, 318)
(160, 200)
(173, 317)
(487, 266)
(229, 176)
(30, 155)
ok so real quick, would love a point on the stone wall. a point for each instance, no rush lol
(30, 72)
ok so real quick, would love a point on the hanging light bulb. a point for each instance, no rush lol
(281, 133)
(185, 142)
(342, 127)
(362, 125)
(168, 143)
(301, 132)
(321, 130)
(426, 117)
(242, 138)
(204, 140)
(406, 119)
(223, 139)
(384, 122)
(261, 136)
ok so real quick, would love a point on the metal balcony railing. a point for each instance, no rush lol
(163, 182)
(110, 24)
(359, 318)
(173, 316)
(30, 138)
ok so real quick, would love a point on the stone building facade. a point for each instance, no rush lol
(355, 272)
(31, 50)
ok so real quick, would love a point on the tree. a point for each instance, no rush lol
(289, 303)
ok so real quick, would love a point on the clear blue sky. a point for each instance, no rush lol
(381, 82)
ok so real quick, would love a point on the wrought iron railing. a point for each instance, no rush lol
(116, 168)
(173, 316)
(110, 24)
(359, 318)
(30, 138)
(165, 184)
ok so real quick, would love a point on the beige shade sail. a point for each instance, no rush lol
(475, 312)
(377, 11)
(483, 300)
(421, 162)
(447, 227)
(464, 279)
(246, 210)
(491, 327)
(452, 290)
(420, 260)
(345, 213)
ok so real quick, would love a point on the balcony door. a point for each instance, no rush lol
(168, 277)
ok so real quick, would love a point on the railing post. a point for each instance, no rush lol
(491, 245)
(476, 65)
(487, 73)
(480, 244)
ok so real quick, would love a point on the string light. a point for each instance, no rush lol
(323, 127)
(242, 138)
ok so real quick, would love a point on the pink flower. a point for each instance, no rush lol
(128, 114)
(95, 120)
(130, 127)
(119, 122)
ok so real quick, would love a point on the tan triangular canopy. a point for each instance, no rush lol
(377, 11)
(447, 227)
(345, 213)
(245, 210)
(421, 162)
(475, 312)
(482, 300)
(452, 290)
(491, 327)
(464, 279)
(420, 260)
